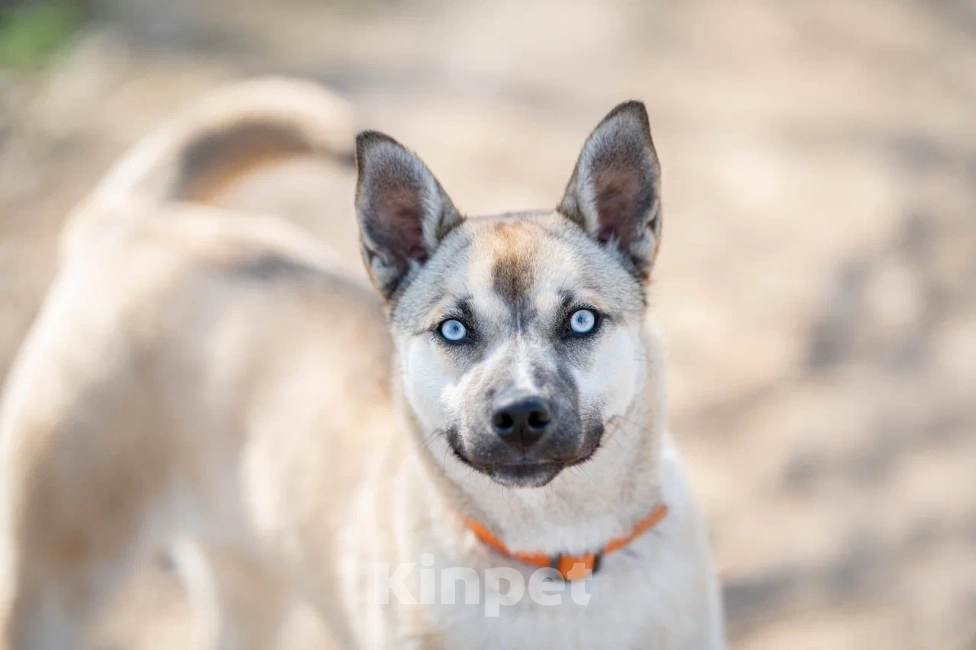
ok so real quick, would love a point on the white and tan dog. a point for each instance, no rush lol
(408, 464)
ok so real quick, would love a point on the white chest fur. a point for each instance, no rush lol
(651, 596)
(658, 592)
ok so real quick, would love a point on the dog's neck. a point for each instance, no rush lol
(584, 506)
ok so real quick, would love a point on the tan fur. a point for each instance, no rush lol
(203, 150)
(220, 384)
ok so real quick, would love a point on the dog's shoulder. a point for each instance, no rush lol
(173, 278)
(140, 248)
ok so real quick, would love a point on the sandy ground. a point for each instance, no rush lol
(817, 283)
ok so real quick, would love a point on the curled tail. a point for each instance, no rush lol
(229, 133)
(226, 135)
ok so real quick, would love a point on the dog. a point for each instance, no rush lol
(405, 458)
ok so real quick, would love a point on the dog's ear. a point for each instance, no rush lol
(614, 193)
(403, 212)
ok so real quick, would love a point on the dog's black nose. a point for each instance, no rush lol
(523, 421)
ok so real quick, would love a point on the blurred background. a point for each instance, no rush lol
(817, 283)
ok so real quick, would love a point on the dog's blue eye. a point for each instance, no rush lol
(453, 330)
(582, 321)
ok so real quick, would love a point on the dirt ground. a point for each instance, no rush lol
(817, 284)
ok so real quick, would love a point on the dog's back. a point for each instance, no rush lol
(178, 344)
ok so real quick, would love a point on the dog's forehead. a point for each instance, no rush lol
(531, 263)
(516, 258)
(512, 260)
(538, 260)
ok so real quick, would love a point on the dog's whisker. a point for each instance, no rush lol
(623, 419)
(611, 435)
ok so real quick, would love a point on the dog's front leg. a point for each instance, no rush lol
(68, 538)
(86, 481)
(243, 600)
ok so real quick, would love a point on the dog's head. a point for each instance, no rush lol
(520, 336)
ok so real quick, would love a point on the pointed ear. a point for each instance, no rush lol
(403, 212)
(614, 193)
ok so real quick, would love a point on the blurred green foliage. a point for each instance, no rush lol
(31, 31)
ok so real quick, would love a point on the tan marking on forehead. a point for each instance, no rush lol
(514, 248)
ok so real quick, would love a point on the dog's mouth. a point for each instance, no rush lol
(522, 473)
(525, 473)
(530, 469)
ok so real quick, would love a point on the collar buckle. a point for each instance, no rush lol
(576, 567)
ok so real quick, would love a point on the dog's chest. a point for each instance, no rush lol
(630, 603)
(437, 586)
(578, 616)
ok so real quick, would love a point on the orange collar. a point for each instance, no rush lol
(571, 567)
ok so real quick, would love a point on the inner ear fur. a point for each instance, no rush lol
(403, 211)
(614, 192)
